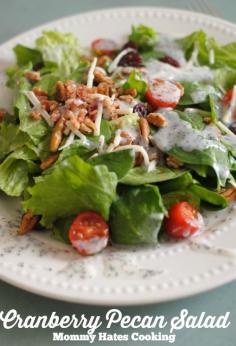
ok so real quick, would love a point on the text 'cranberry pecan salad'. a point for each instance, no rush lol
(119, 143)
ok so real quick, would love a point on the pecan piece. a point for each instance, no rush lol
(103, 88)
(48, 161)
(157, 119)
(35, 114)
(172, 162)
(28, 222)
(144, 131)
(101, 77)
(126, 98)
(60, 91)
(103, 60)
(229, 194)
(88, 122)
(39, 92)
(131, 91)
(33, 76)
(85, 129)
(57, 134)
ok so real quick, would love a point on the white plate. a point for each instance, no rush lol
(118, 275)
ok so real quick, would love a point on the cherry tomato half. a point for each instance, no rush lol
(184, 220)
(89, 233)
(164, 93)
(103, 46)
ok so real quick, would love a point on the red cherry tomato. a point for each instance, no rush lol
(184, 220)
(89, 233)
(227, 97)
(103, 47)
(164, 93)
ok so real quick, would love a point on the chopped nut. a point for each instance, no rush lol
(126, 98)
(85, 129)
(70, 89)
(28, 222)
(131, 92)
(207, 120)
(33, 76)
(153, 155)
(144, 130)
(103, 88)
(49, 161)
(39, 92)
(35, 114)
(101, 77)
(229, 194)
(57, 134)
(88, 122)
(60, 91)
(75, 123)
(172, 162)
(157, 119)
(55, 114)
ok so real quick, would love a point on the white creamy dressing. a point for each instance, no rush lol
(200, 95)
(161, 70)
(179, 133)
(203, 245)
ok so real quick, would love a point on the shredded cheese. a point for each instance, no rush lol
(68, 142)
(124, 111)
(115, 142)
(98, 119)
(101, 143)
(211, 56)
(78, 133)
(117, 59)
(227, 117)
(37, 105)
(91, 73)
(137, 148)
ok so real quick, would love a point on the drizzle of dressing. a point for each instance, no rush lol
(179, 133)
(188, 73)
(169, 46)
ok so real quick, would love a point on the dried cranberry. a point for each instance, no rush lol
(38, 66)
(133, 59)
(232, 127)
(130, 44)
(171, 61)
(141, 109)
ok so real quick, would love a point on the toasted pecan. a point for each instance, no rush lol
(101, 77)
(57, 134)
(229, 194)
(157, 119)
(28, 222)
(33, 76)
(39, 92)
(48, 161)
(172, 162)
(144, 130)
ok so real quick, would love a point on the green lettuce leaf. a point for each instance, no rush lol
(60, 48)
(208, 196)
(140, 175)
(119, 162)
(73, 186)
(15, 171)
(171, 198)
(136, 82)
(11, 138)
(223, 55)
(143, 36)
(25, 55)
(137, 215)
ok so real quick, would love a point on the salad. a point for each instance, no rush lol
(120, 143)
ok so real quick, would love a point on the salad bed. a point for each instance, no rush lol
(120, 142)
